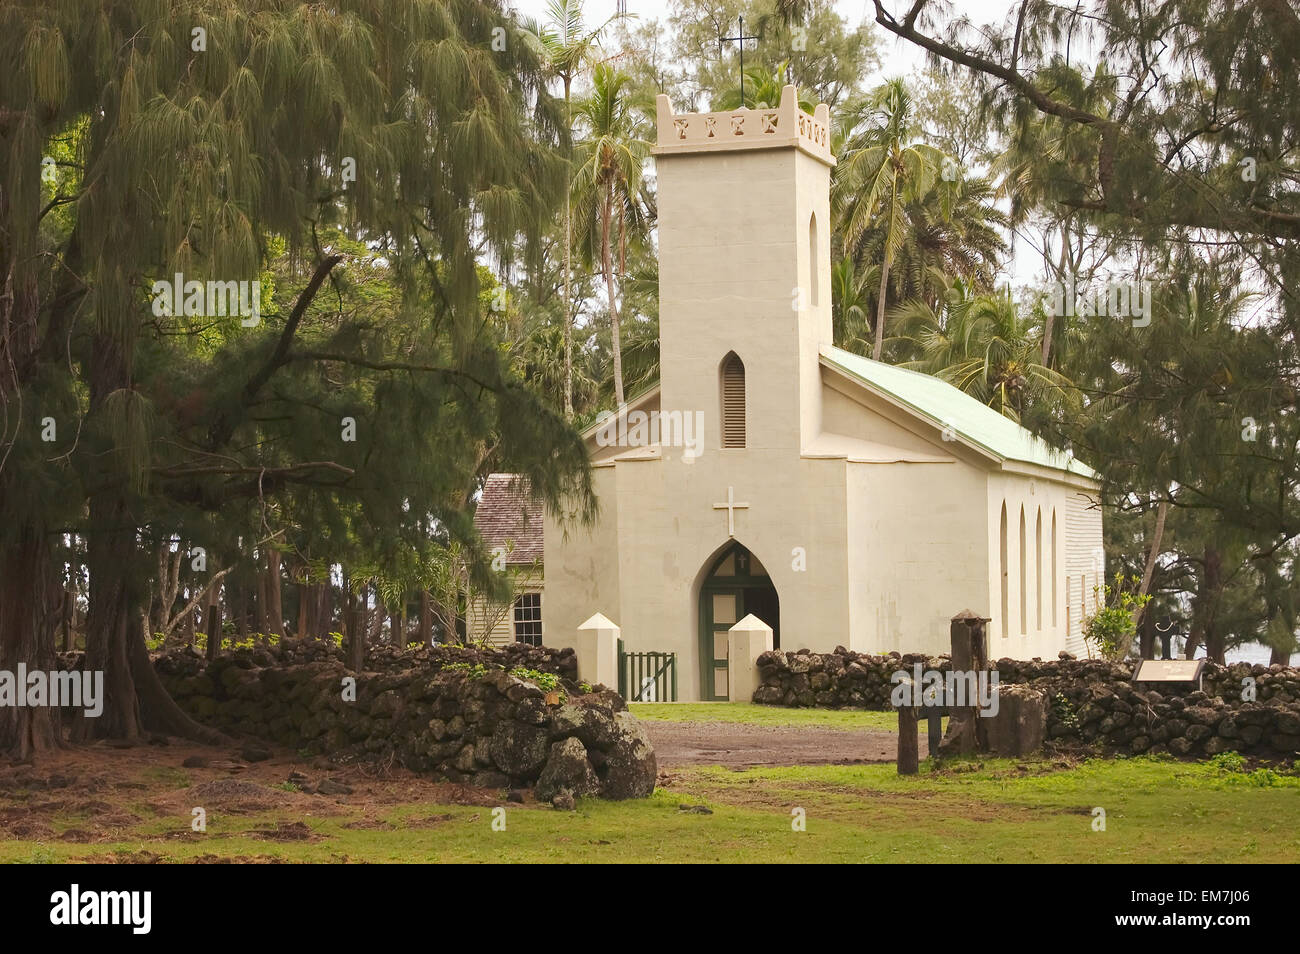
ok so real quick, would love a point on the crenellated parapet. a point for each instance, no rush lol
(785, 126)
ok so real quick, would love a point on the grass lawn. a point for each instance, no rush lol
(752, 714)
(990, 811)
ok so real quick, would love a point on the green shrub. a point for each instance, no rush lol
(545, 681)
(1064, 711)
(1111, 628)
(1229, 763)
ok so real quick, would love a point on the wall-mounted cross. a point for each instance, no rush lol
(738, 39)
(731, 506)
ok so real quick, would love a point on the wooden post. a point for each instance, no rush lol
(969, 654)
(908, 741)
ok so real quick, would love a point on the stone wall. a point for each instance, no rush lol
(483, 726)
(292, 651)
(1090, 702)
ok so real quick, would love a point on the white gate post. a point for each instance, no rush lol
(746, 641)
(596, 646)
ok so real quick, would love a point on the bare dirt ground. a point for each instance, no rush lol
(739, 745)
(112, 790)
(109, 791)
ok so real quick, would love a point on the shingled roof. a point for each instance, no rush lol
(509, 516)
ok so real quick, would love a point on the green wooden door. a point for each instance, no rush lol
(736, 584)
(720, 609)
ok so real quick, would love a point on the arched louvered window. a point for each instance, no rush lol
(733, 401)
(814, 271)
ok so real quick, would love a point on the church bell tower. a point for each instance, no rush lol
(744, 270)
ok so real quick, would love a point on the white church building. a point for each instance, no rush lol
(841, 500)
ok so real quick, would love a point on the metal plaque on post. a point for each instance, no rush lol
(1169, 670)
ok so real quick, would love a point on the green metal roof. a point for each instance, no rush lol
(946, 406)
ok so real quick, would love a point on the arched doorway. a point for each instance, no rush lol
(735, 585)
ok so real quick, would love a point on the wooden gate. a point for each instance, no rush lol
(647, 677)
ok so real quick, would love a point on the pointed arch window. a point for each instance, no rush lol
(733, 401)
(1067, 625)
(1024, 582)
(1038, 570)
(814, 269)
(1004, 571)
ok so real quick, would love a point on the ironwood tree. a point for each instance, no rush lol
(144, 140)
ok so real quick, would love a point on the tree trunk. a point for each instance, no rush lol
(274, 604)
(1049, 325)
(111, 624)
(189, 622)
(239, 606)
(426, 619)
(1162, 511)
(259, 581)
(325, 614)
(307, 604)
(26, 636)
(212, 624)
(362, 628)
(396, 629)
(355, 621)
(1204, 631)
(880, 308)
(166, 586)
(606, 254)
(68, 611)
(133, 697)
(568, 243)
(135, 700)
(376, 619)
(1146, 637)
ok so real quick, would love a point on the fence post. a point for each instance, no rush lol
(966, 734)
(908, 737)
(596, 646)
(746, 641)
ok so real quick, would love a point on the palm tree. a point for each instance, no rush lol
(880, 170)
(567, 46)
(608, 186)
(982, 344)
(849, 305)
(946, 235)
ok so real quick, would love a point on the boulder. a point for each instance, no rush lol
(630, 769)
(518, 750)
(568, 769)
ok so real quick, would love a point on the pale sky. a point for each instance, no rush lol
(899, 56)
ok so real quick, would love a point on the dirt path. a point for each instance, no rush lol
(742, 745)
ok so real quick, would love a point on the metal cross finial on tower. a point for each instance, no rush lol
(739, 39)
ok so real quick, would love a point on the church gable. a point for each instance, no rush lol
(862, 426)
(935, 405)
